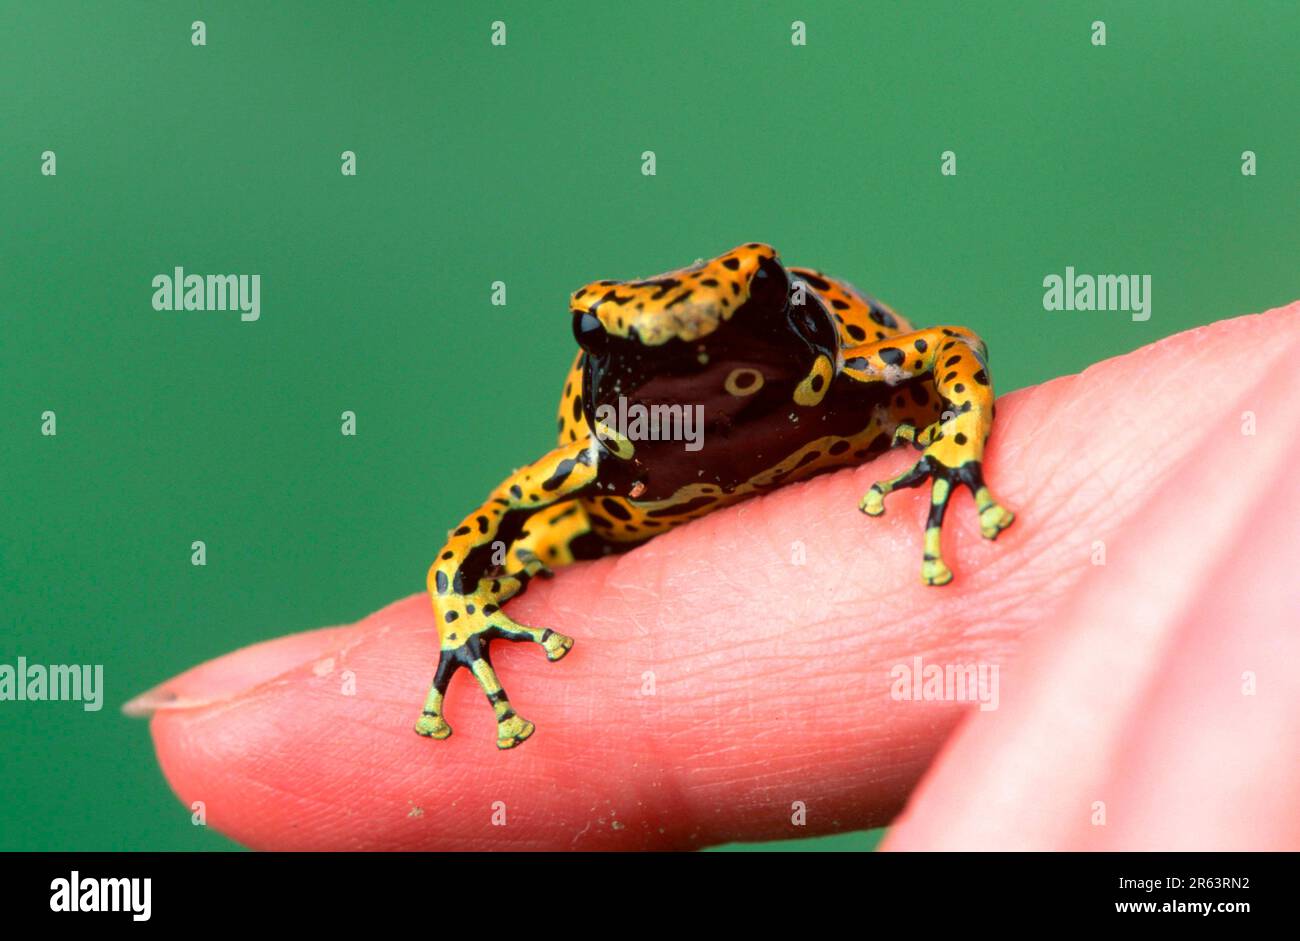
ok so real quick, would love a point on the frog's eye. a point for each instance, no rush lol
(588, 331)
(770, 285)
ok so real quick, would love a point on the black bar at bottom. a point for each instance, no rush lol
(523, 892)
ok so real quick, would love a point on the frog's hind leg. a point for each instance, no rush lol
(467, 599)
(955, 361)
(472, 650)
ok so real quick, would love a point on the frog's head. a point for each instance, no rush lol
(746, 292)
(711, 333)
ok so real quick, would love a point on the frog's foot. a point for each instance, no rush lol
(555, 644)
(468, 625)
(512, 728)
(994, 517)
(512, 731)
(944, 479)
(432, 725)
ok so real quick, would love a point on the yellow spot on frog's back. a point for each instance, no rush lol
(744, 381)
(813, 388)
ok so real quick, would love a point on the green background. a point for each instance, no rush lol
(523, 164)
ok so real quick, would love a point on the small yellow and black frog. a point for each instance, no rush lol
(777, 374)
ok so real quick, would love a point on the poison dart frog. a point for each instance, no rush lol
(796, 373)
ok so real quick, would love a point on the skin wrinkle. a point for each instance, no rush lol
(755, 529)
(328, 810)
(1192, 587)
(670, 794)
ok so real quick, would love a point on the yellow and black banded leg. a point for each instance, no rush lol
(956, 362)
(547, 543)
(467, 602)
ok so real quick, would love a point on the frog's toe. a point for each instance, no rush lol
(993, 519)
(513, 731)
(432, 725)
(873, 504)
(935, 572)
(533, 566)
(556, 645)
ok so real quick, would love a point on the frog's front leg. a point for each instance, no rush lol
(467, 602)
(956, 361)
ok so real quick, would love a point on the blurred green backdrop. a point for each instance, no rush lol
(519, 163)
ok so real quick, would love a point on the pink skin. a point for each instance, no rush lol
(772, 679)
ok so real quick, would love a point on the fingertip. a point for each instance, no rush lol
(230, 675)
